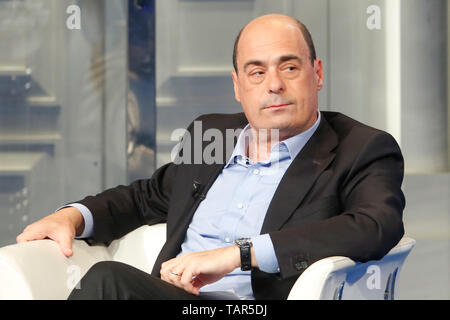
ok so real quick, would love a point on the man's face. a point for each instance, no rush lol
(276, 83)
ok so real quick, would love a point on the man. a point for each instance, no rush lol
(331, 186)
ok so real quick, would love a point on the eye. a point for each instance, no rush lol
(257, 73)
(290, 68)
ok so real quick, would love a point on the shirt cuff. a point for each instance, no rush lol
(265, 253)
(88, 219)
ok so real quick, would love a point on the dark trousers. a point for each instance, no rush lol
(110, 280)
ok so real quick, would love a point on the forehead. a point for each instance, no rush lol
(267, 41)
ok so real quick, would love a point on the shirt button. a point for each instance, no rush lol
(240, 205)
(256, 171)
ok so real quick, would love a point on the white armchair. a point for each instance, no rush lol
(38, 270)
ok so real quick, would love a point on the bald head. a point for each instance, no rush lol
(266, 21)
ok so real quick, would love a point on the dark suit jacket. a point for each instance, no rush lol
(340, 196)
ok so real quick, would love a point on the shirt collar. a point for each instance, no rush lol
(294, 144)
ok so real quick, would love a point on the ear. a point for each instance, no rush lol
(318, 73)
(236, 86)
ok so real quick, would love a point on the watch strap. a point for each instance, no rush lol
(245, 245)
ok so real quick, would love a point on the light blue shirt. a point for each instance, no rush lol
(235, 207)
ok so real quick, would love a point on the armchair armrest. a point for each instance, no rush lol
(139, 248)
(38, 269)
(342, 278)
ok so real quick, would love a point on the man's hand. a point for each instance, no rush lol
(60, 226)
(195, 270)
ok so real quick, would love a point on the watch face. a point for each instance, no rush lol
(243, 242)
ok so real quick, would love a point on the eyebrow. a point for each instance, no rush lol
(281, 59)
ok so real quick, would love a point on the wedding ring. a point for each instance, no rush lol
(175, 274)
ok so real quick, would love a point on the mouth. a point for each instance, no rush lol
(278, 106)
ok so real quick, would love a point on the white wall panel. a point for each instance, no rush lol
(357, 62)
(424, 96)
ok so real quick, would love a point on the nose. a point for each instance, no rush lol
(276, 84)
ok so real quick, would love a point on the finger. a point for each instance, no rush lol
(20, 238)
(167, 275)
(171, 278)
(194, 289)
(28, 236)
(191, 288)
(187, 279)
(168, 266)
(23, 237)
(65, 244)
(177, 272)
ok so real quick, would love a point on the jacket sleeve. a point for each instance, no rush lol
(119, 210)
(370, 222)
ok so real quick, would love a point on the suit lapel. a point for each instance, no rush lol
(206, 174)
(300, 176)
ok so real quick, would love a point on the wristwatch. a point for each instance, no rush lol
(245, 245)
